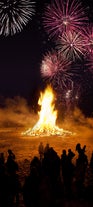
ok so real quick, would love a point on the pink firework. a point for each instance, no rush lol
(72, 45)
(55, 69)
(49, 65)
(62, 16)
(52, 63)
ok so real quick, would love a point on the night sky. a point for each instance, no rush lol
(21, 56)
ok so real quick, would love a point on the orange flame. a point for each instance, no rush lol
(47, 116)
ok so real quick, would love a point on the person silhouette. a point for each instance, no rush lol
(91, 162)
(81, 166)
(67, 171)
(13, 179)
(11, 164)
(31, 189)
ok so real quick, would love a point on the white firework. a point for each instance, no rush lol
(14, 14)
(72, 45)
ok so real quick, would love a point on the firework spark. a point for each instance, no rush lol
(72, 45)
(72, 95)
(63, 16)
(14, 14)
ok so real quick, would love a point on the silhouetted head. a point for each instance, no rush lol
(11, 154)
(70, 153)
(78, 147)
(10, 151)
(64, 152)
(41, 143)
(47, 145)
(35, 162)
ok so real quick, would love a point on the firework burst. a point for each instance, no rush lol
(14, 14)
(63, 16)
(54, 63)
(50, 65)
(55, 68)
(72, 45)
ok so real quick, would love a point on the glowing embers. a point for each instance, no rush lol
(46, 124)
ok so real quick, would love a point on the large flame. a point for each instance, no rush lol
(47, 116)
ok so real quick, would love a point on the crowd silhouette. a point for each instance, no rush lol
(52, 180)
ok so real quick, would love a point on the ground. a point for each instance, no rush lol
(26, 147)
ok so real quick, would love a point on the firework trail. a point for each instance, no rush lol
(69, 97)
(62, 16)
(14, 14)
(72, 45)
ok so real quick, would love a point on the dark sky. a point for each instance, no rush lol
(21, 55)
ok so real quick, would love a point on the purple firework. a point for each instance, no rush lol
(63, 16)
(72, 45)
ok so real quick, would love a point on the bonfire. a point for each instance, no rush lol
(46, 124)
